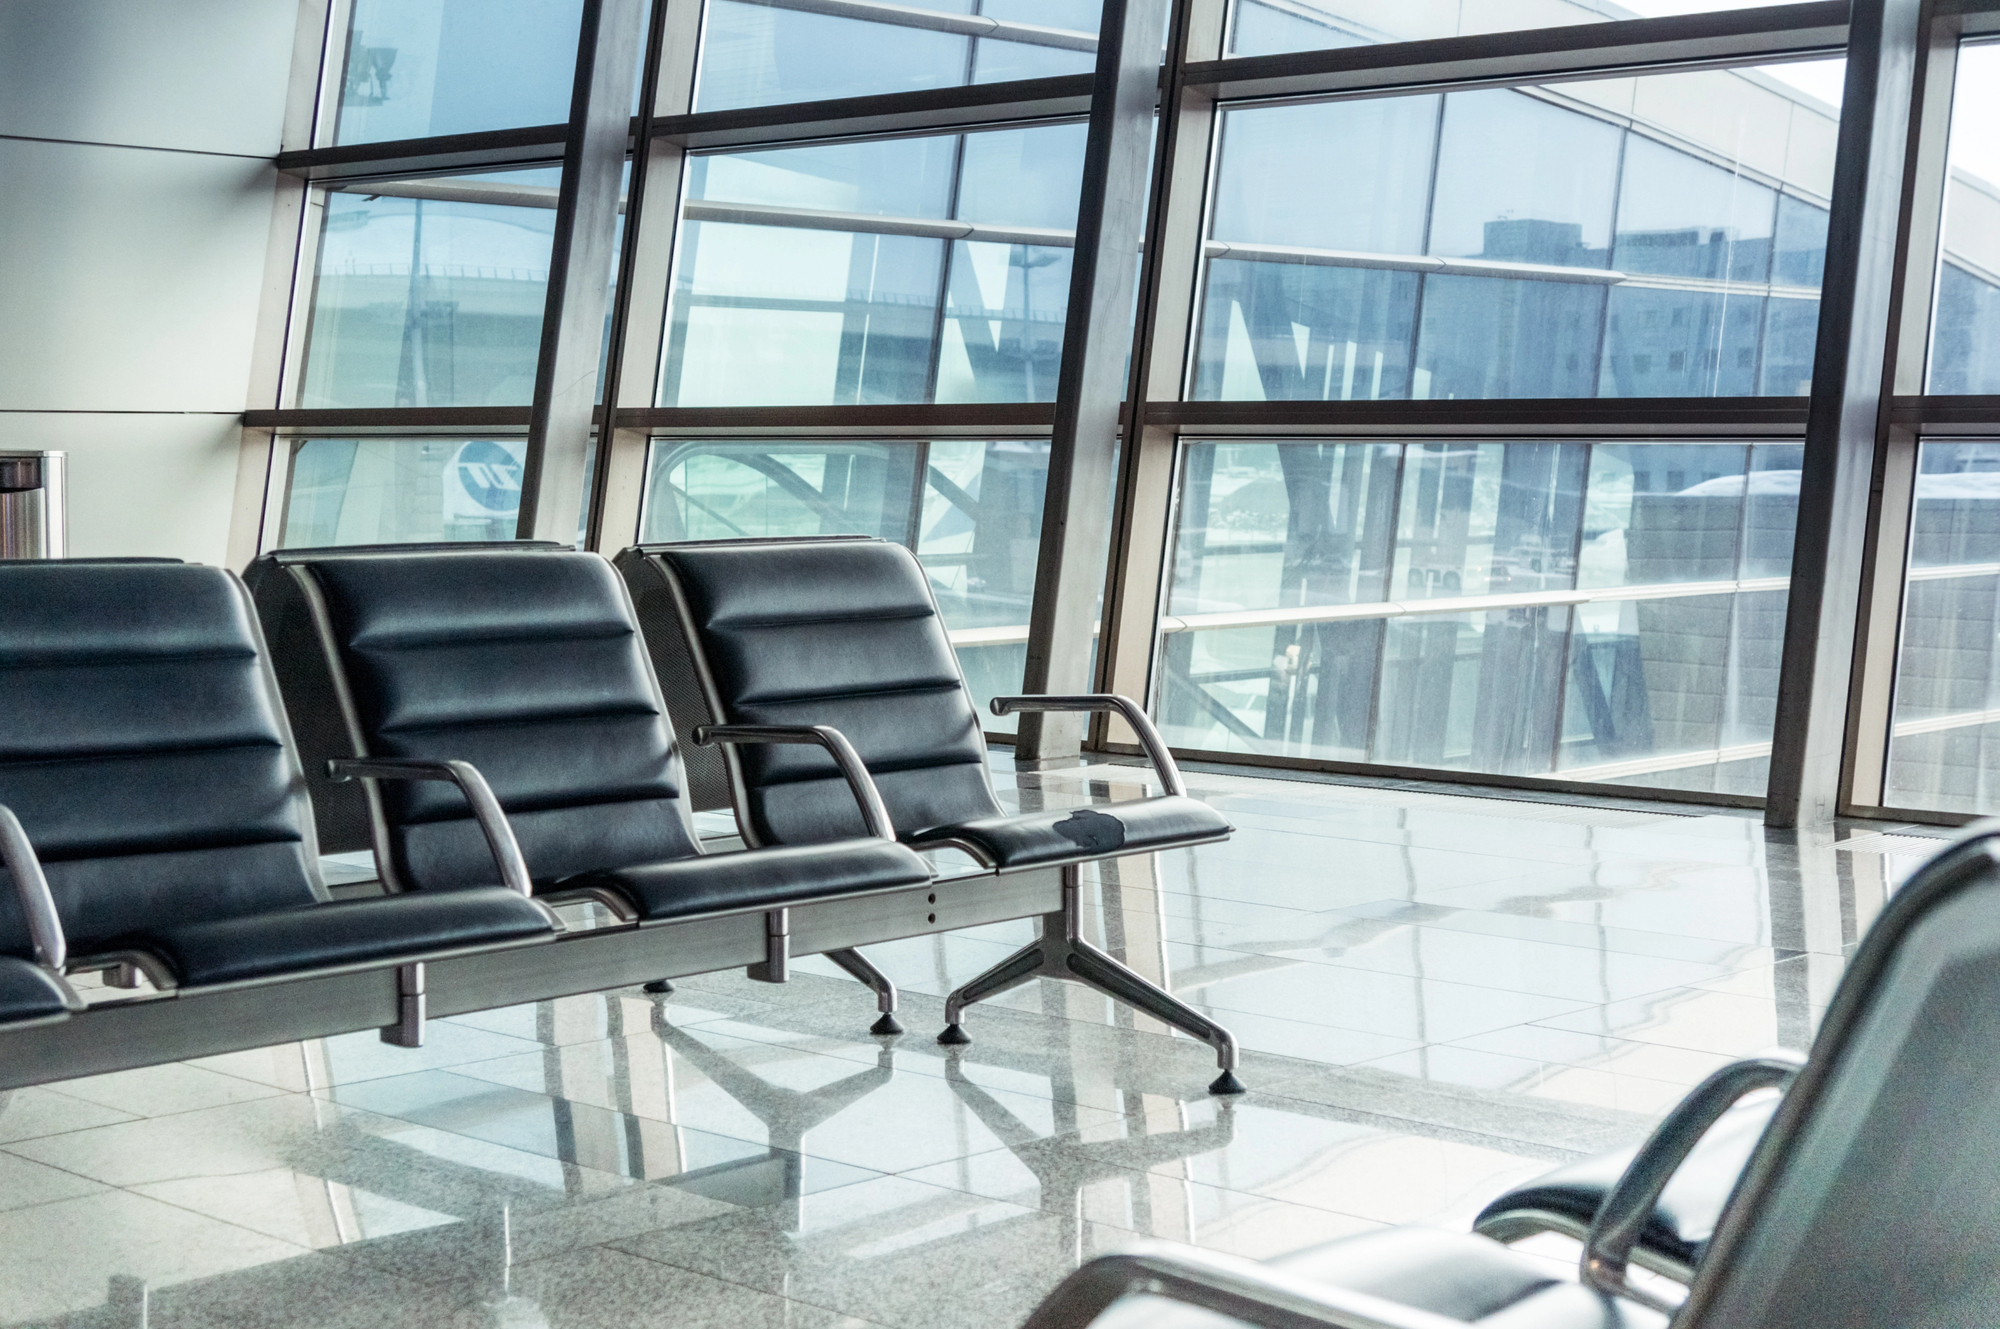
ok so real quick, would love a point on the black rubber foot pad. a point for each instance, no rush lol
(954, 1034)
(885, 1026)
(1227, 1083)
(659, 987)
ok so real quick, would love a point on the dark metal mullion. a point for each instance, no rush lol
(1076, 523)
(580, 259)
(925, 111)
(456, 152)
(1849, 407)
(628, 262)
(1741, 36)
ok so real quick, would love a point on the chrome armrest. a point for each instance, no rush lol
(1622, 1218)
(38, 906)
(1225, 1284)
(486, 808)
(1135, 715)
(874, 812)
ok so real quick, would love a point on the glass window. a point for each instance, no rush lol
(1659, 236)
(970, 510)
(887, 271)
(757, 53)
(1944, 745)
(430, 292)
(349, 491)
(1965, 341)
(1265, 27)
(1606, 611)
(418, 68)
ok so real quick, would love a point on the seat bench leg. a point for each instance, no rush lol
(776, 966)
(1062, 953)
(408, 1031)
(859, 968)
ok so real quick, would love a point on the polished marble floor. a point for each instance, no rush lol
(1439, 995)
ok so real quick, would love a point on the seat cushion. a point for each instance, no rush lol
(1075, 835)
(380, 930)
(30, 994)
(756, 878)
(1457, 1275)
(1686, 1215)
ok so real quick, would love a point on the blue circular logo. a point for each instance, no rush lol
(490, 474)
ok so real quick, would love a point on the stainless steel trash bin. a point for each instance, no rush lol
(33, 505)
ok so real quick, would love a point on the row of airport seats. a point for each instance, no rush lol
(496, 723)
(490, 720)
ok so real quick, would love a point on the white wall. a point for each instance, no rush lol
(135, 223)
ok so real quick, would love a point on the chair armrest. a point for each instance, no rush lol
(874, 812)
(1135, 715)
(486, 808)
(1607, 1248)
(38, 906)
(1225, 1284)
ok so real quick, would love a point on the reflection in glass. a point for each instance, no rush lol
(431, 292)
(417, 68)
(349, 491)
(970, 510)
(755, 52)
(893, 271)
(1944, 745)
(1965, 338)
(1609, 611)
(1659, 236)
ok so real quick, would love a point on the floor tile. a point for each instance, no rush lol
(24, 1183)
(27, 1113)
(1060, 1178)
(158, 1091)
(60, 1258)
(900, 1252)
(1366, 1171)
(1696, 1019)
(600, 1140)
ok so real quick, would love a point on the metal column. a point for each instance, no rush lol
(580, 264)
(1850, 396)
(1076, 518)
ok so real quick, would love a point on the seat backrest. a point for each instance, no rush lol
(526, 662)
(145, 750)
(1871, 1199)
(837, 631)
(340, 810)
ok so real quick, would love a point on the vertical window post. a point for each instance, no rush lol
(1076, 519)
(1850, 394)
(580, 263)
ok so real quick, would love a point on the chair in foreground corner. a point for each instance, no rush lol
(1868, 1200)
(846, 632)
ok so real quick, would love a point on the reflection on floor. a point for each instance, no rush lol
(1439, 996)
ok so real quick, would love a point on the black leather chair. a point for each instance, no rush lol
(1567, 1199)
(846, 632)
(525, 664)
(1867, 1200)
(144, 751)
